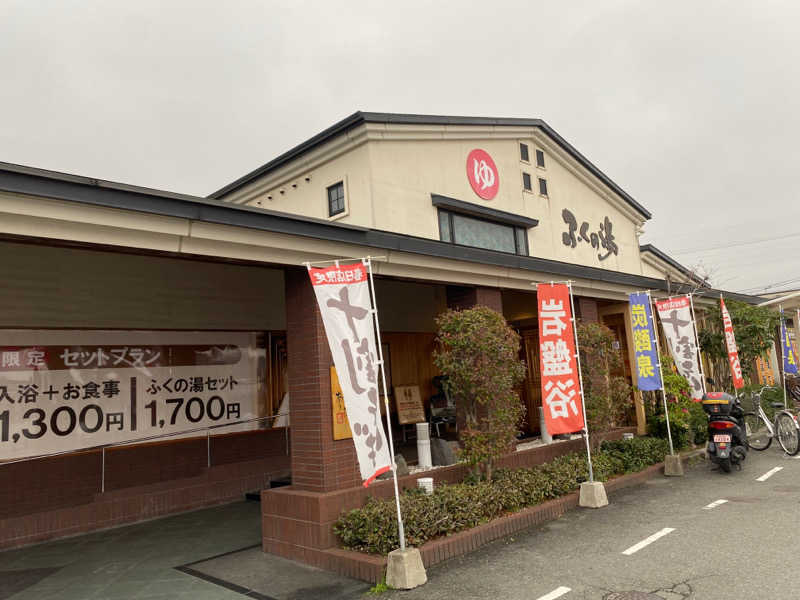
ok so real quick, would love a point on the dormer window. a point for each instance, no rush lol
(465, 224)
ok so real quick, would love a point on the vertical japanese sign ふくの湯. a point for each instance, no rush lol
(678, 326)
(644, 346)
(561, 400)
(347, 313)
(71, 389)
(730, 344)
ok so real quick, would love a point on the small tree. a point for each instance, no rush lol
(754, 328)
(479, 354)
(607, 396)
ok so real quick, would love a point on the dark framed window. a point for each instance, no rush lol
(543, 186)
(336, 199)
(540, 159)
(526, 182)
(466, 230)
(523, 153)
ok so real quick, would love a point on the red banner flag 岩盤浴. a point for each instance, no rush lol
(730, 343)
(561, 389)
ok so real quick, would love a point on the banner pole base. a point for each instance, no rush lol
(593, 495)
(673, 465)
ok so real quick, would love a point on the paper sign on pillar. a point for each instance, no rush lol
(561, 401)
(678, 326)
(347, 314)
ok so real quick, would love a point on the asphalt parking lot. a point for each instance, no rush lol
(707, 535)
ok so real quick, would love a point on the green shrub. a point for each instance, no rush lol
(638, 453)
(679, 424)
(698, 423)
(453, 508)
(478, 354)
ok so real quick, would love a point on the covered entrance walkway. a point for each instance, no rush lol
(196, 555)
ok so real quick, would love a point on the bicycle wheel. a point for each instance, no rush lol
(794, 392)
(757, 431)
(787, 433)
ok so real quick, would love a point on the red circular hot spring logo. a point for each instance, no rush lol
(482, 174)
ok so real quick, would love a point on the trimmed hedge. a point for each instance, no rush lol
(453, 508)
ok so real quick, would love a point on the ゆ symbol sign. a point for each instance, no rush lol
(482, 174)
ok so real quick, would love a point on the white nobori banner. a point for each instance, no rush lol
(678, 326)
(347, 313)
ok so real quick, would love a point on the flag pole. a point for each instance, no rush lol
(697, 341)
(400, 529)
(727, 350)
(660, 371)
(580, 379)
(784, 343)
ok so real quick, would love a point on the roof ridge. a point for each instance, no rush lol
(359, 117)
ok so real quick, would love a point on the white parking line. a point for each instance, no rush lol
(648, 541)
(556, 593)
(769, 474)
(715, 504)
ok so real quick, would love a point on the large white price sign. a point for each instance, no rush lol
(67, 390)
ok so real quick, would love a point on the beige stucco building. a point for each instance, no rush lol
(458, 211)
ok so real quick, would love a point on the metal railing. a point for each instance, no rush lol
(152, 438)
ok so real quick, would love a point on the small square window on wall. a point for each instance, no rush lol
(540, 159)
(542, 186)
(523, 153)
(336, 199)
(526, 182)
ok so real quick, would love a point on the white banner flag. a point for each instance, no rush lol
(678, 326)
(344, 301)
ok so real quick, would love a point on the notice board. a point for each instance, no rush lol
(409, 404)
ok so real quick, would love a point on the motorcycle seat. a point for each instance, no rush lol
(776, 404)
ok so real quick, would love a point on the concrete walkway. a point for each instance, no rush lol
(208, 554)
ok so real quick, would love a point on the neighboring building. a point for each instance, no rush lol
(788, 302)
(173, 297)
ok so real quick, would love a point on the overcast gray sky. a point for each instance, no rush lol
(689, 106)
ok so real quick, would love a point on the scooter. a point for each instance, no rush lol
(727, 438)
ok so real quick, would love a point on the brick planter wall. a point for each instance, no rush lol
(298, 524)
(371, 568)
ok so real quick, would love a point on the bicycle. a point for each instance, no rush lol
(760, 432)
(793, 386)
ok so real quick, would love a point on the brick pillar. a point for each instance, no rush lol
(586, 310)
(461, 297)
(319, 464)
